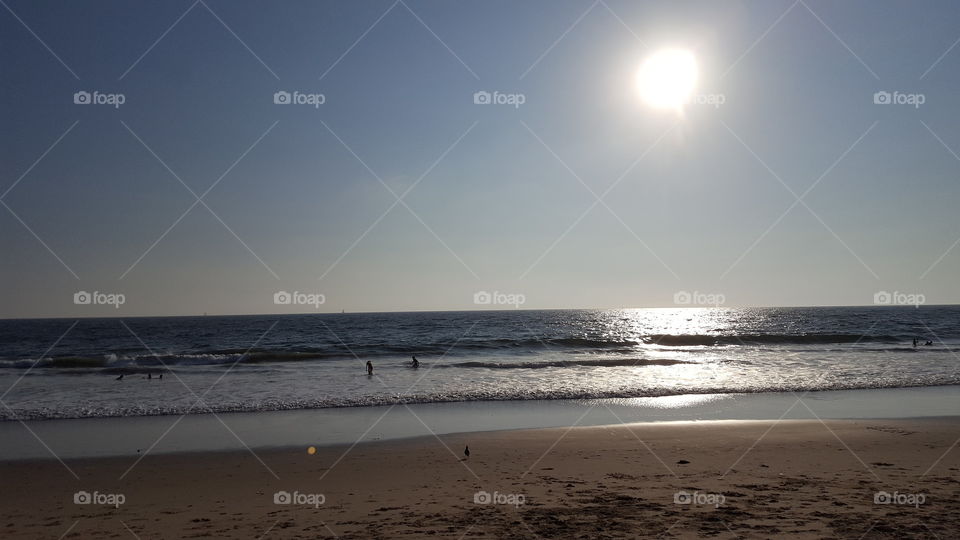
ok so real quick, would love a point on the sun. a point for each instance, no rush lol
(667, 78)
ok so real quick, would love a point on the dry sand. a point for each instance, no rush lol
(795, 478)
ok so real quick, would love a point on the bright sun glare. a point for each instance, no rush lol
(667, 78)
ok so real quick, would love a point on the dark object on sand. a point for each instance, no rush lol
(369, 368)
(466, 451)
(120, 378)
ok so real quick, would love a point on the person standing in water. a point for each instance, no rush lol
(369, 368)
(414, 363)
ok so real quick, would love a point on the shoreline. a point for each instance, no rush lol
(126, 436)
(685, 479)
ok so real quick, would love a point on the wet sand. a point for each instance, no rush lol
(752, 479)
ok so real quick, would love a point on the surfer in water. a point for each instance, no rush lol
(414, 363)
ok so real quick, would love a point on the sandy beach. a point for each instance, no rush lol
(724, 479)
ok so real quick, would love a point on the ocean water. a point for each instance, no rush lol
(59, 368)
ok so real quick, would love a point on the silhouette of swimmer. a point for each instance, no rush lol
(415, 363)
(149, 375)
(120, 378)
(161, 376)
(928, 344)
(369, 368)
(915, 341)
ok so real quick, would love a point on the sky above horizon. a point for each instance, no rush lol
(817, 163)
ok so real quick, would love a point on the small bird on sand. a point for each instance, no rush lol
(466, 451)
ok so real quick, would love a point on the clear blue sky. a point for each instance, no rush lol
(703, 210)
